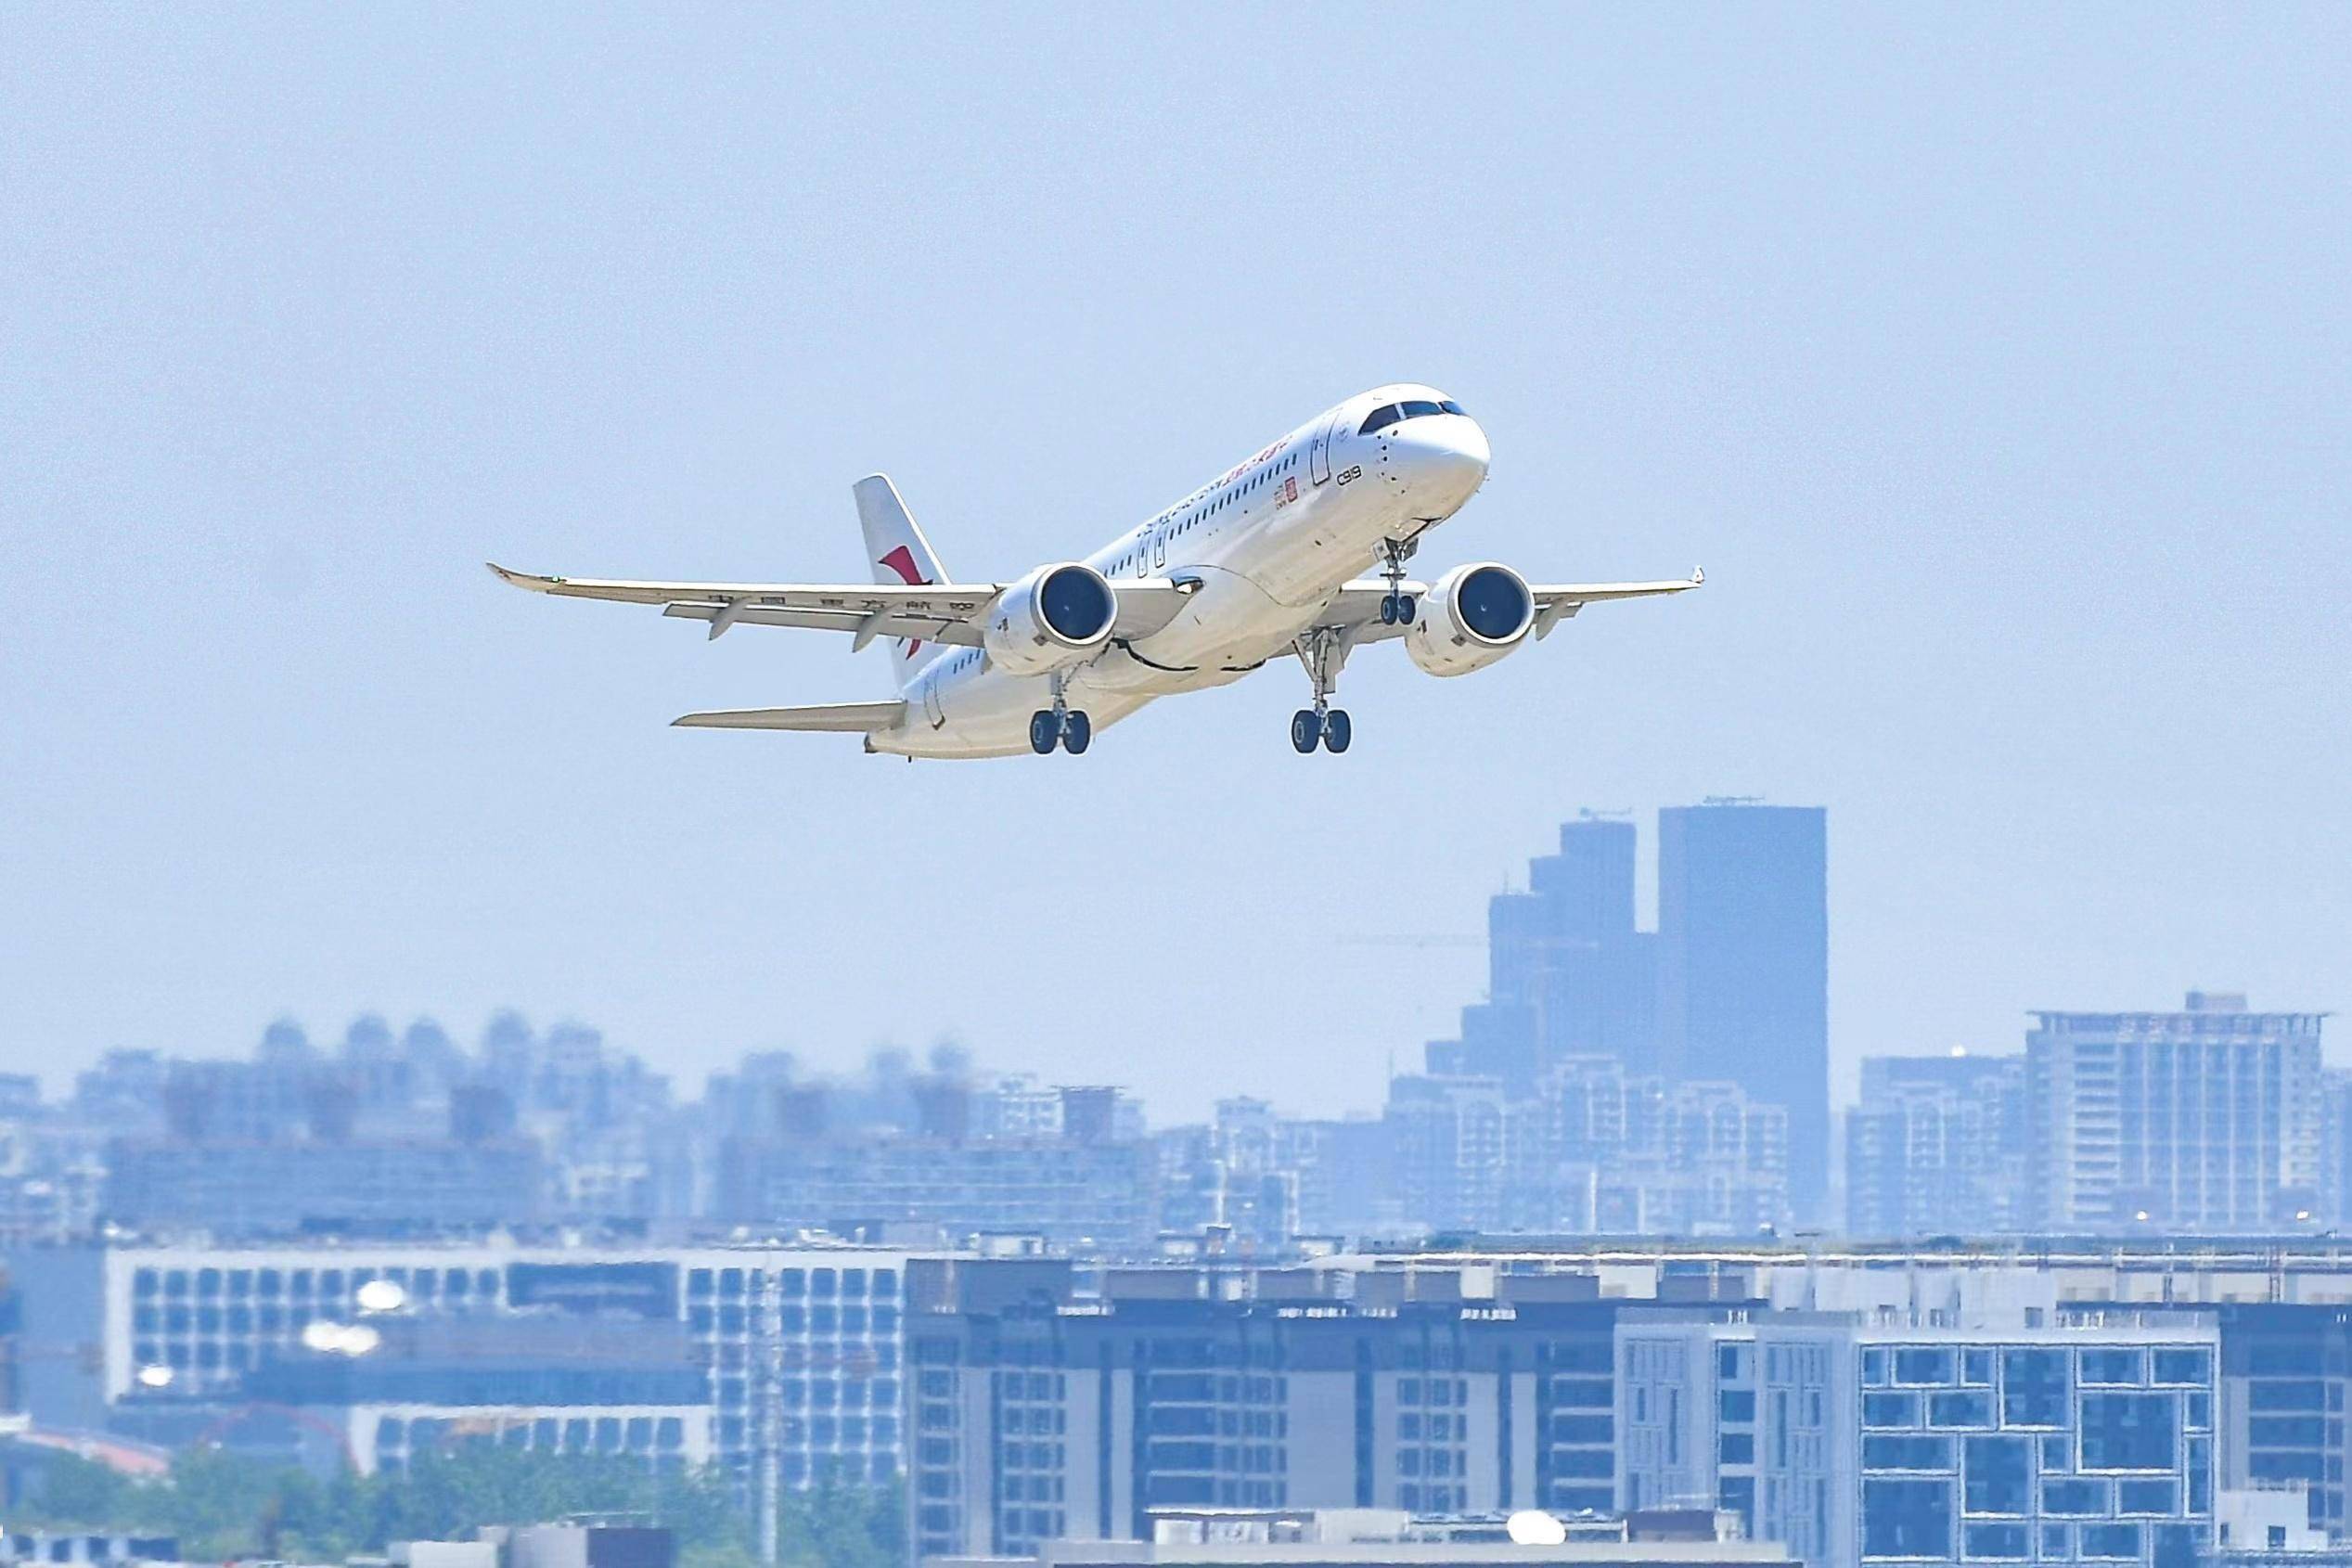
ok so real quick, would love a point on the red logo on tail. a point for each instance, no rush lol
(902, 560)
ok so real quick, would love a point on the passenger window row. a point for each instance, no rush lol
(1224, 498)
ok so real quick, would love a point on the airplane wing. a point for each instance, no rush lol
(948, 612)
(851, 717)
(1557, 602)
(1357, 607)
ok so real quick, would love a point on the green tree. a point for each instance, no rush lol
(74, 1491)
(835, 1527)
(220, 1504)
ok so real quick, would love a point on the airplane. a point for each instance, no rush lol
(1260, 562)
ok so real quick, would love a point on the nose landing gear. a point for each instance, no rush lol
(1397, 607)
(1060, 725)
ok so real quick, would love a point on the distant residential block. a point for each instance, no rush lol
(283, 1189)
(1937, 1146)
(1636, 1155)
(2207, 1119)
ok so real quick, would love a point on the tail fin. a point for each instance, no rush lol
(900, 554)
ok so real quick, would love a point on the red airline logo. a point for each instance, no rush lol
(902, 560)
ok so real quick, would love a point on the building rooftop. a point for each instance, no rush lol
(1229, 1537)
(2202, 1014)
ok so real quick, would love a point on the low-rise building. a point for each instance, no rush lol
(796, 1346)
(2065, 1437)
(2269, 1527)
(1042, 1415)
(626, 1387)
(78, 1546)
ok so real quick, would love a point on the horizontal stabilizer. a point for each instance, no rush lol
(854, 718)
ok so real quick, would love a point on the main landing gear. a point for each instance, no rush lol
(1327, 725)
(1060, 725)
(1322, 650)
(1397, 607)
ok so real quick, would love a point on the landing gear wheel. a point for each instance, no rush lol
(1396, 605)
(1045, 730)
(1337, 731)
(1307, 729)
(1077, 732)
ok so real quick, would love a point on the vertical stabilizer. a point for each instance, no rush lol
(899, 554)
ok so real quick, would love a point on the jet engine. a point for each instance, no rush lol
(1470, 618)
(1053, 618)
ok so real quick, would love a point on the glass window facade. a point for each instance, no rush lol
(2080, 1462)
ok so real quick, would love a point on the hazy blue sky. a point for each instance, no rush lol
(1993, 361)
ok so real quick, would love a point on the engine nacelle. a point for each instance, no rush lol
(1053, 618)
(1470, 618)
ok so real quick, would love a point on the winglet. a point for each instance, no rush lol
(532, 581)
(1698, 576)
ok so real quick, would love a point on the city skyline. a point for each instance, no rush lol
(1623, 876)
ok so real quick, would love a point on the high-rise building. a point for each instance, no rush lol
(1936, 1146)
(1743, 965)
(1569, 972)
(1567, 955)
(2208, 1119)
(2335, 1147)
(1721, 1016)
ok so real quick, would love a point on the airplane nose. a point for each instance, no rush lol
(1445, 458)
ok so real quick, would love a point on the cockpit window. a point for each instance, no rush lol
(1380, 419)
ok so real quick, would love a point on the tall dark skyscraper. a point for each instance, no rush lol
(1743, 966)
(1569, 975)
(1598, 991)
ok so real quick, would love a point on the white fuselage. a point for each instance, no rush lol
(1266, 547)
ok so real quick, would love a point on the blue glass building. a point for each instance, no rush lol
(1743, 966)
